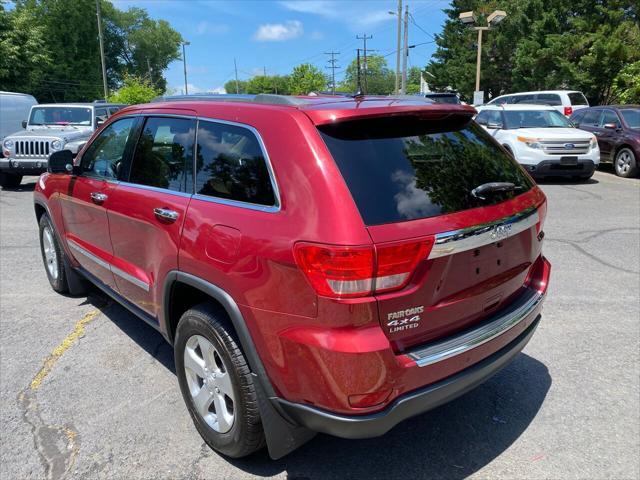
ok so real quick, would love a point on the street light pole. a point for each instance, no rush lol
(479, 59)
(398, 46)
(405, 50)
(184, 62)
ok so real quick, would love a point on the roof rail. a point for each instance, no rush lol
(265, 98)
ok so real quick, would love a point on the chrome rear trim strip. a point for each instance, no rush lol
(115, 270)
(456, 241)
(459, 344)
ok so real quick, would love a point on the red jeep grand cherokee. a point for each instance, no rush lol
(320, 264)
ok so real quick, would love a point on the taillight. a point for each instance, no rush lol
(346, 272)
(568, 111)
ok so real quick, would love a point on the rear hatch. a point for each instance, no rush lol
(412, 178)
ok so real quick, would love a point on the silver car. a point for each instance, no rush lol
(50, 128)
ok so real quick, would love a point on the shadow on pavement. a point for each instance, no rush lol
(451, 442)
(23, 187)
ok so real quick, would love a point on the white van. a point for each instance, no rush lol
(14, 109)
(565, 101)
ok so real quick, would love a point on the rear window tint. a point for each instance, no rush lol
(577, 98)
(405, 168)
(549, 99)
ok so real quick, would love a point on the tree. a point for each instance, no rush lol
(135, 90)
(380, 80)
(306, 78)
(24, 54)
(413, 80)
(59, 53)
(626, 85)
(230, 86)
(268, 84)
(542, 44)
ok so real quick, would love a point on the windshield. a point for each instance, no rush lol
(535, 119)
(404, 168)
(60, 116)
(631, 117)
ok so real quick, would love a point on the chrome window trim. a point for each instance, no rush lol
(155, 189)
(459, 344)
(456, 241)
(108, 266)
(272, 177)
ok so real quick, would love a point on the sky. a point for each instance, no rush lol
(274, 36)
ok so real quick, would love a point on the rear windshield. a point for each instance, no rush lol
(577, 98)
(405, 168)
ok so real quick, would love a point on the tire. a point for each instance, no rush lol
(52, 256)
(229, 418)
(625, 163)
(10, 180)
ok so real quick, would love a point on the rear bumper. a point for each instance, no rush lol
(411, 404)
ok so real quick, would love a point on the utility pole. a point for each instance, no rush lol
(235, 67)
(149, 68)
(405, 49)
(398, 47)
(184, 62)
(364, 38)
(332, 65)
(264, 71)
(359, 87)
(104, 68)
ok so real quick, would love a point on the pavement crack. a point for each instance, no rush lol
(593, 257)
(57, 445)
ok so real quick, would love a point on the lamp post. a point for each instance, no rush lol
(469, 18)
(184, 62)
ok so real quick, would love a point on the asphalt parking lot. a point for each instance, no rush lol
(89, 391)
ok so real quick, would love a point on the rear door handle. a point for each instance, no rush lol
(99, 198)
(166, 214)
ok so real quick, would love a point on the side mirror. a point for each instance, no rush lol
(611, 126)
(24, 124)
(61, 162)
(494, 126)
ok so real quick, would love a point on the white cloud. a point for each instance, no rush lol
(316, 35)
(278, 32)
(348, 12)
(205, 27)
(179, 89)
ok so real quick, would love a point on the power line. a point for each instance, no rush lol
(364, 39)
(332, 65)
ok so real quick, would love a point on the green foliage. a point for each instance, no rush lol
(135, 90)
(53, 49)
(413, 80)
(230, 86)
(267, 84)
(306, 78)
(542, 44)
(626, 85)
(380, 80)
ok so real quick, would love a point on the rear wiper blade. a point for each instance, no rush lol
(493, 187)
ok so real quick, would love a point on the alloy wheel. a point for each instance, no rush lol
(209, 383)
(50, 254)
(623, 162)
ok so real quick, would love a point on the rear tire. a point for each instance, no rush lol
(625, 163)
(10, 180)
(216, 382)
(52, 256)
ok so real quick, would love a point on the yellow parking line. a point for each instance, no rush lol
(57, 352)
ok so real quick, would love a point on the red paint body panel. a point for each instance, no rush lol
(316, 350)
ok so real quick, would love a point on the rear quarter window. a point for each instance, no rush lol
(577, 98)
(405, 168)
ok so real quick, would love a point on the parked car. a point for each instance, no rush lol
(565, 101)
(49, 128)
(319, 264)
(618, 130)
(14, 108)
(443, 97)
(542, 140)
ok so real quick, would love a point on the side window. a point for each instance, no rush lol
(103, 158)
(495, 118)
(609, 116)
(591, 118)
(164, 154)
(101, 115)
(549, 99)
(113, 110)
(577, 117)
(523, 99)
(482, 117)
(230, 164)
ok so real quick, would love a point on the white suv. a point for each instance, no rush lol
(564, 101)
(542, 140)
